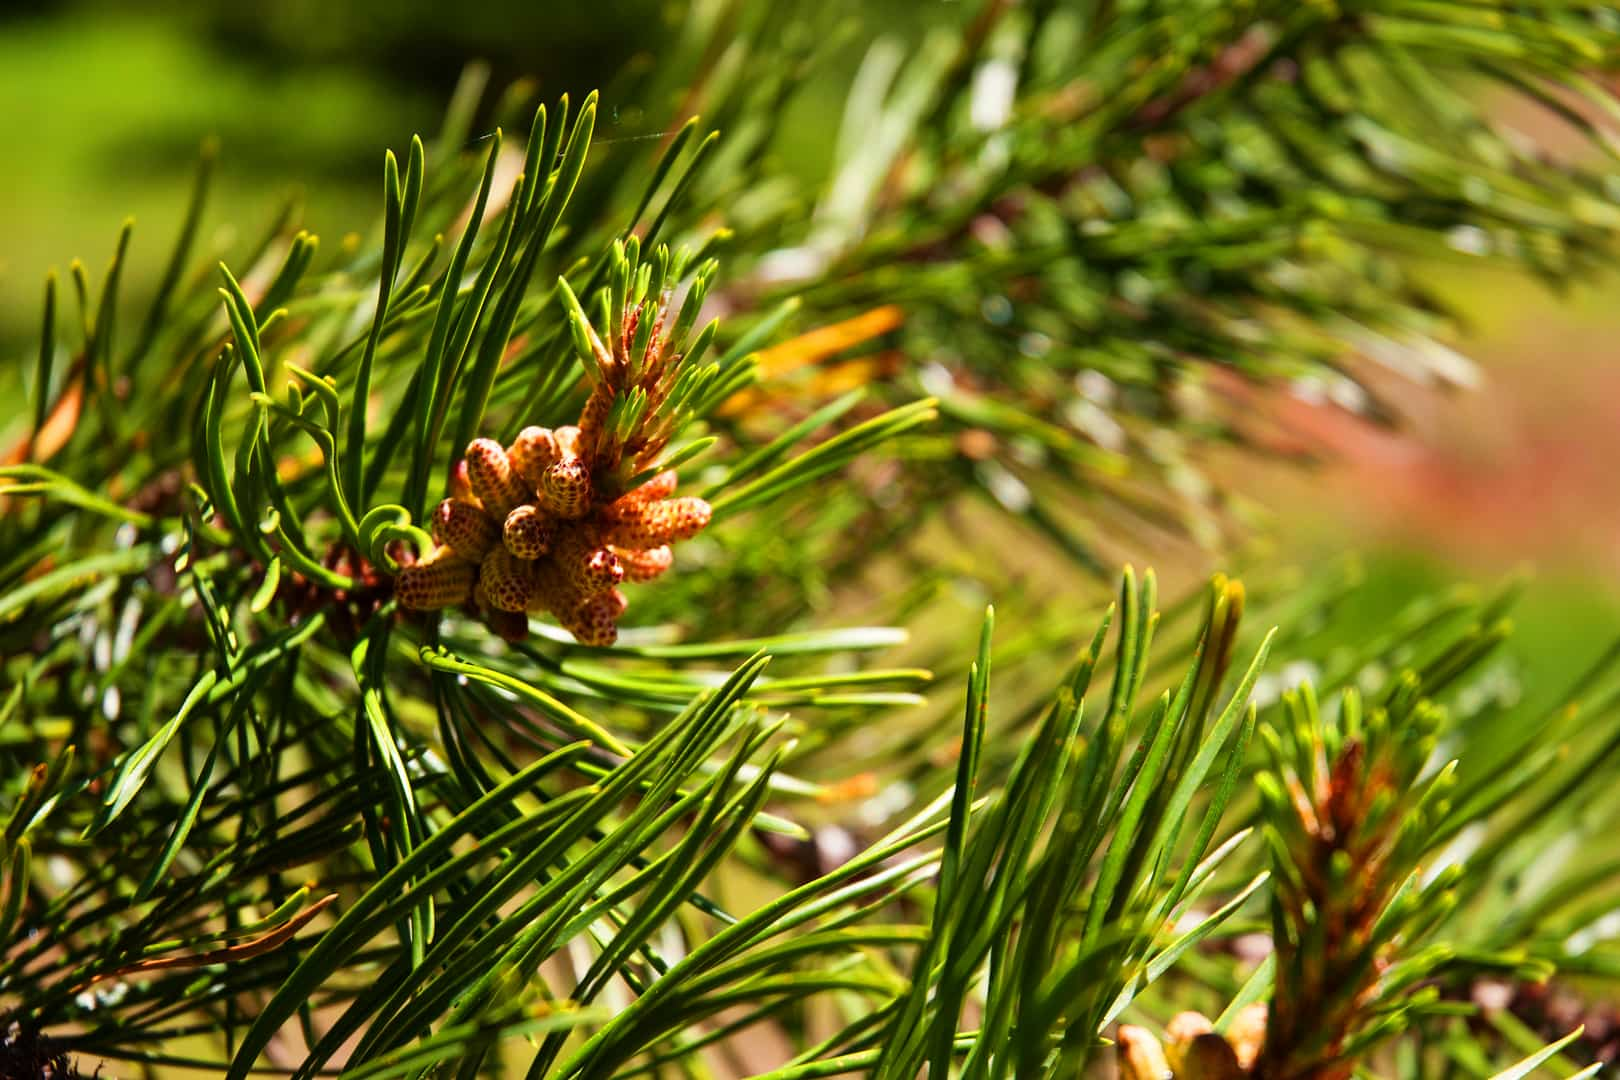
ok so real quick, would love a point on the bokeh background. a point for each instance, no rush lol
(104, 106)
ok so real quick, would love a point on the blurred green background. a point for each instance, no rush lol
(105, 105)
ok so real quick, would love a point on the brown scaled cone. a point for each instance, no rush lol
(528, 531)
(644, 565)
(661, 486)
(532, 453)
(567, 438)
(632, 523)
(595, 622)
(587, 566)
(508, 582)
(439, 581)
(465, 528)
(490, 473)
(553, 593)
(565, 488)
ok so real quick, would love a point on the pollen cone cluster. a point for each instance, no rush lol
(556, 522)
(527, 530)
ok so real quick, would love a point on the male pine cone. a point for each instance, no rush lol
(546, 525)
(527, 532)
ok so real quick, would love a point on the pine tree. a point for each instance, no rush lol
(433, 656)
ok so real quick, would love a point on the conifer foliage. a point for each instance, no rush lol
(434, 657)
